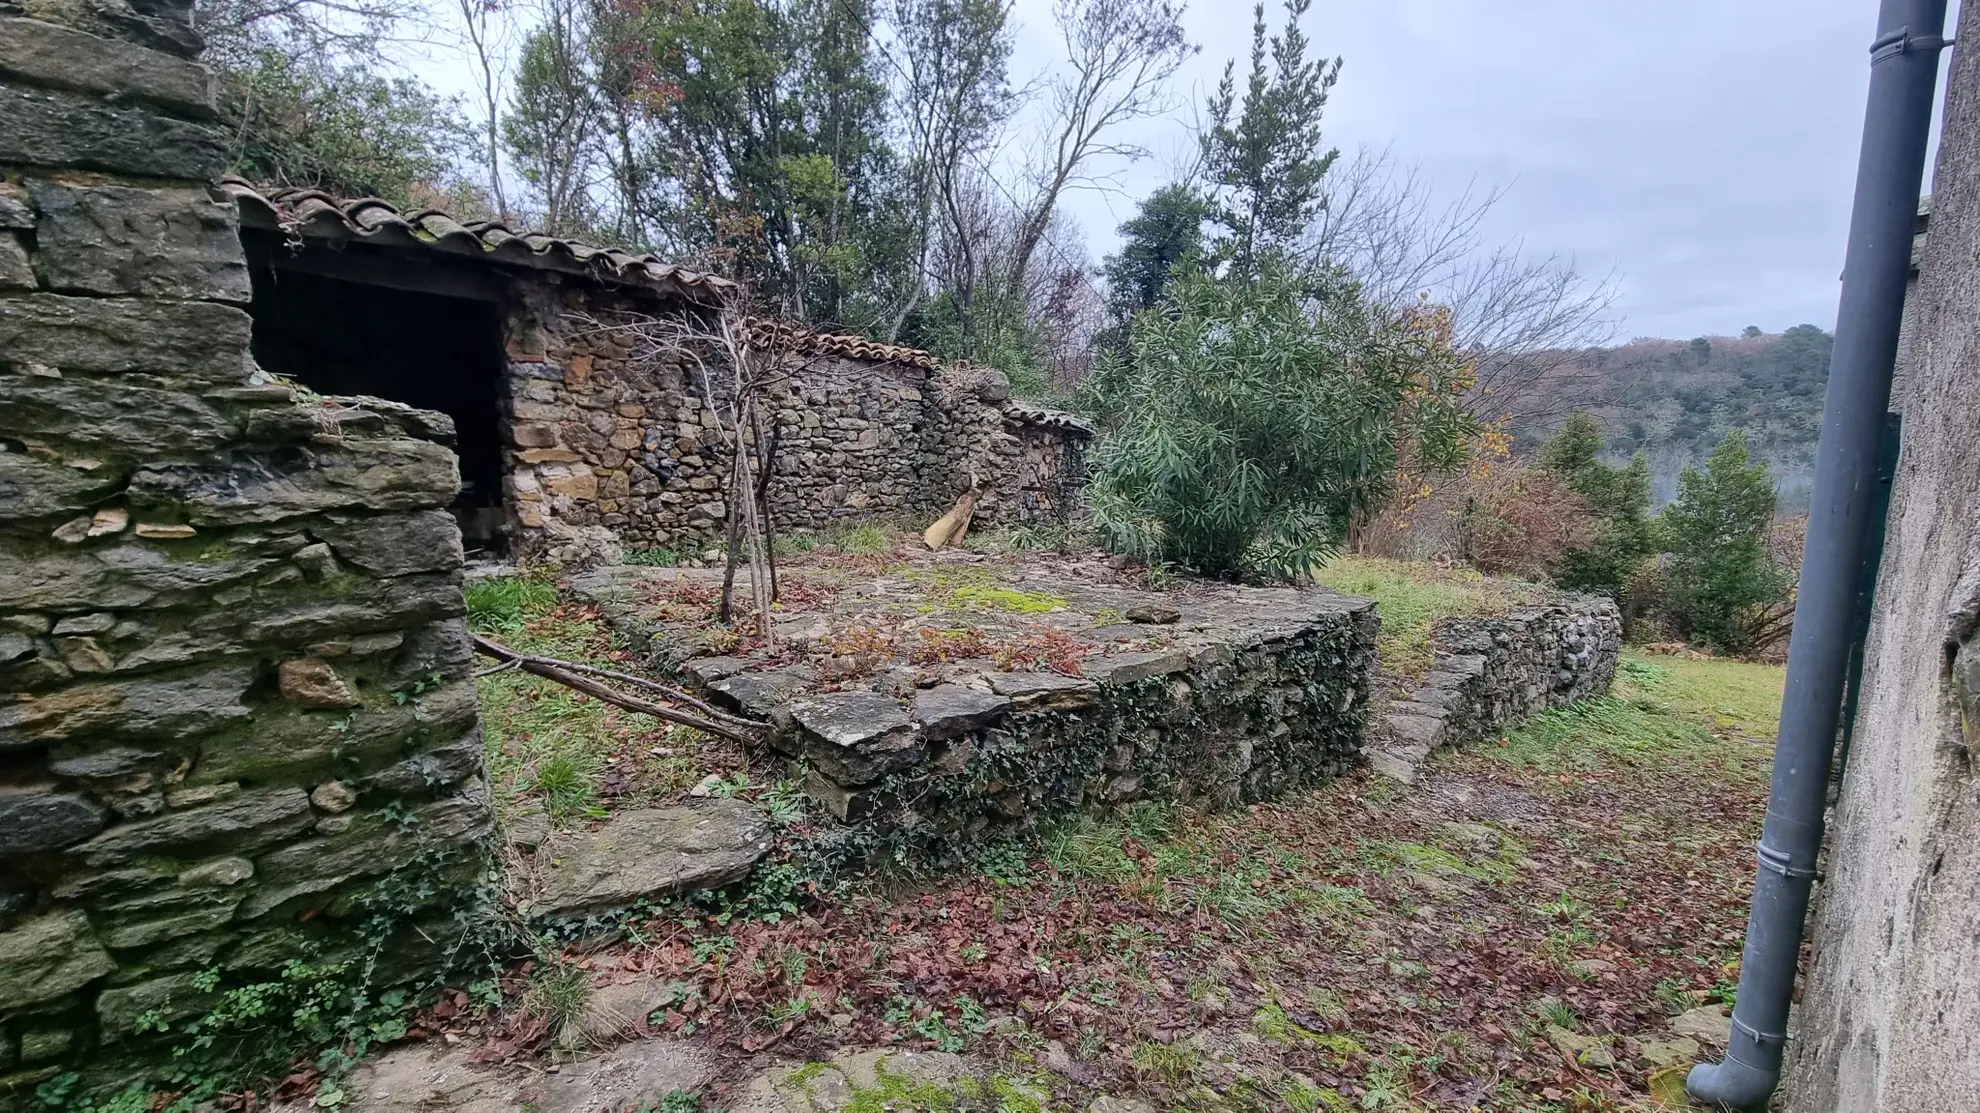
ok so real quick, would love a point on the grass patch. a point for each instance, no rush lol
(866, 540)
(544, 742)
(654, 557)
(501, 606)
(1411, 597)
(1660, 711)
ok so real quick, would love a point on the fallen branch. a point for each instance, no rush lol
(570, 675)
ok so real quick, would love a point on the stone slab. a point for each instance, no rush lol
(156, 243)
(651, 853)
(49, 956)
(58, 129)
(51, 55)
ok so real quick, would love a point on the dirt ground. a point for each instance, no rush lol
(1517, 932)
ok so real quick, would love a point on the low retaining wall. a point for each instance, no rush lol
(1216, 695)
(1491, 673)
(1217, 725)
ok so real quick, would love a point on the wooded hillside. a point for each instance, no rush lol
(1673, 400)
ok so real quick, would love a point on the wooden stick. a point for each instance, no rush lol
(563, 673)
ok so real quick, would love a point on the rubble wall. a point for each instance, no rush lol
(237, 725)
(1491, 673)
(1276, 700)
(614, 446)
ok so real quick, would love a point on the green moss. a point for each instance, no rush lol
(1006, 599)
(897, 1092)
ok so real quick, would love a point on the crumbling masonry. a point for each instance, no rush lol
(236, 717)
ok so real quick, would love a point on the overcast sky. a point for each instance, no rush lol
(1703, 151)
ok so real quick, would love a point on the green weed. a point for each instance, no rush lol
(501, 606)
(653, 557)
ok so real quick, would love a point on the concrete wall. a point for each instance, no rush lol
(1890, 1013)
(236, 719)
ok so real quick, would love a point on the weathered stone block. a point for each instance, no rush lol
(50, 55)
(651, 853)
(112, 419)
(124, 574)
(173, 997)
(243, 824)
(201, 341)
(145, 707)
(856, 737)
(1045, 691)
(385, 475)
(313, 682)
(950, 710)
(15, 270)
(49, 956)
(31, 487)
(162, 243)
(395, 544)
(40, 817)
(48, 128)
(362, 607)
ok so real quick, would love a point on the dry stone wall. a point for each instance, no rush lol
(1271, 695)
(612, 447)
(237, 725)
(1491, 673)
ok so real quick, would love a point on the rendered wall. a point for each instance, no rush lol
(1890, 1010)
(236, 721)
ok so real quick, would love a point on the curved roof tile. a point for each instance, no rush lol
(314, 214)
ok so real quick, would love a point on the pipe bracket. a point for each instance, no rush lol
(1902, 41)
(1780, 862)
(1764, 1039)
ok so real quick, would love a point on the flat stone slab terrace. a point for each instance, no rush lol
(937, 699)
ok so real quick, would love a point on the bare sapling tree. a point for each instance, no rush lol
(1120, 55)
(1522, 320)
(482, 24)
(734, 359)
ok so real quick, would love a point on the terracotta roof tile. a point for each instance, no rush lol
(317, 215)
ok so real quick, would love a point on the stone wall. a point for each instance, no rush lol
(1491, 673)
(612, 447)
(1272, 698)
(236, 720)
(1889, 1019)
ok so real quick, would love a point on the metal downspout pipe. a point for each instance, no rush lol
(1904, 72)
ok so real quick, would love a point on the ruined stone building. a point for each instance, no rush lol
(237, 716)
(574, 440)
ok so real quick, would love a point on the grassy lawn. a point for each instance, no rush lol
(1412, 596)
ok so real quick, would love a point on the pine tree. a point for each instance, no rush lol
(1621, 496)
(1263, 154)
(1720, 575)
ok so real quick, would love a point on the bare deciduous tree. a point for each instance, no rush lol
(1523, 320)
(484, 28)
(733, 361)
(1120, 55)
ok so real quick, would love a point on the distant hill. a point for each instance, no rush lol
(1674, 399)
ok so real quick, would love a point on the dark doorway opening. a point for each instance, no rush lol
(428, 350)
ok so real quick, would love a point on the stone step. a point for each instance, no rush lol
(651, 853)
